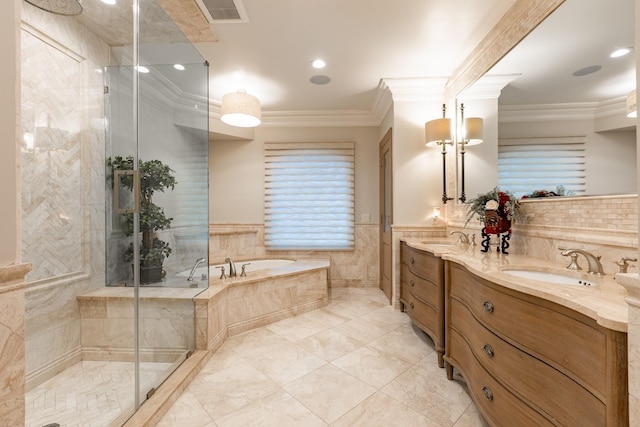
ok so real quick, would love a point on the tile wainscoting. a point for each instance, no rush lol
(357, 268)
(12, 407)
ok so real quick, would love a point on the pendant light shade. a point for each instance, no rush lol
(240, 109)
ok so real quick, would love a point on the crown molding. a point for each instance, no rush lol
(488, 86)
(562, 111)
(416, 88)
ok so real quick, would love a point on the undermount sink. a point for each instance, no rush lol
(440, 244)
(545, 276)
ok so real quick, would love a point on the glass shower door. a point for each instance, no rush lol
(157, 197)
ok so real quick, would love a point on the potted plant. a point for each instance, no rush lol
(154, 176)
(495, 209)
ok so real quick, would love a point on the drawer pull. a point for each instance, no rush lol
(412, 261)
(411, 306)
(488, 306)
(411, 283)
(488, 350)
(487, 393)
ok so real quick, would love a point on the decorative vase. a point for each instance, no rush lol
(496, 222)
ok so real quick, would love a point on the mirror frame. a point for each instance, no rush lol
(522, 18)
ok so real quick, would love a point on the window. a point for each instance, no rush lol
(526, 165)
(309, 195)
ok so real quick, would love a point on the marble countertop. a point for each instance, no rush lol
(603, 301)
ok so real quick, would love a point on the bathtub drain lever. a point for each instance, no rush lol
(222, 275)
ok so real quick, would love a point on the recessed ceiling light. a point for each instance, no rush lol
(318, 63)
(621, 51)
(178, 67)
(587, 70)
(142, 69)
(320, 79)
(109, 2)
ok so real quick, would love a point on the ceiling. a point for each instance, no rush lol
(269, 53)
(362, 42)
(579, 34)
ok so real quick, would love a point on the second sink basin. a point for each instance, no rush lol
(544, 276)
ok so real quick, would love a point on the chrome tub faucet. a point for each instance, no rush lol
(232, 267)
(193, 270)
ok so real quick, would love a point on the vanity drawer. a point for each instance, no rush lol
(425, 316)
(554, 393)
(422, 289)
(556, 335)
(423, 264)
(496, 403)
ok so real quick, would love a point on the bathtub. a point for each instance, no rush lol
(251, 266)
(273, 289)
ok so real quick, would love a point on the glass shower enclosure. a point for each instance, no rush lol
(156, 110)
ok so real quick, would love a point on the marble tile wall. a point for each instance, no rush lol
(107, 332)
(357, 268)
(62, 183)
(606, 226)
(12, 353)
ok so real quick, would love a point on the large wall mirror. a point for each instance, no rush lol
(555, 107)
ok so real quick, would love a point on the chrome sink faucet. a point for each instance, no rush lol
(463, 238)
(595, 267)
(232, 267)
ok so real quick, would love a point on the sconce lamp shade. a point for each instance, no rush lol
(240, 109)
(632, 109)
(437, 131)
(474, 128)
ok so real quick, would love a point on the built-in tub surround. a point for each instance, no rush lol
(234, 305)
(228, 307)
(356, 268)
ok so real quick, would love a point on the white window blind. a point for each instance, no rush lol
(309, 195)
(526, 165)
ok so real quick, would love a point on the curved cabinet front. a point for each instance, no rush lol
(552, 360)
(422, 293)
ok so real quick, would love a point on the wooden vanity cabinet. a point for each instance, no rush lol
(422, 293)
(529, 361)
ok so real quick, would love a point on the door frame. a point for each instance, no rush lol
(386, 144)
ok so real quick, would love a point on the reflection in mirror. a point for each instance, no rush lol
(554, 108)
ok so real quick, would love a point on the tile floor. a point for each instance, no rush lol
(356, 362)
(89, 394)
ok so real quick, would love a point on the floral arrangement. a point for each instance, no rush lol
(503, 202)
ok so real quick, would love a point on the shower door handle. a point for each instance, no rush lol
(135, 176)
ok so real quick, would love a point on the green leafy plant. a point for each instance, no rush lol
(502, 201)
(154, 176)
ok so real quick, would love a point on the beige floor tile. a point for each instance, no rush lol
(381, 410)
(471, 418)
(278, 409)
(287, 363)
(426, 389)
(330, 344)
(186, 411)
(372, 366)
(255, 342)
(329, 392)
(407, 343)
(223, 392)
(361, 330)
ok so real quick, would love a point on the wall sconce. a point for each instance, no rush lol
(632, 109)
(438, 132)
(472, 129)
(240, 109)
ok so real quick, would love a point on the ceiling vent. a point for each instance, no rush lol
(223, 11)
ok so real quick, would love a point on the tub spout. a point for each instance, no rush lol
(193, 270)
(232, 267)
